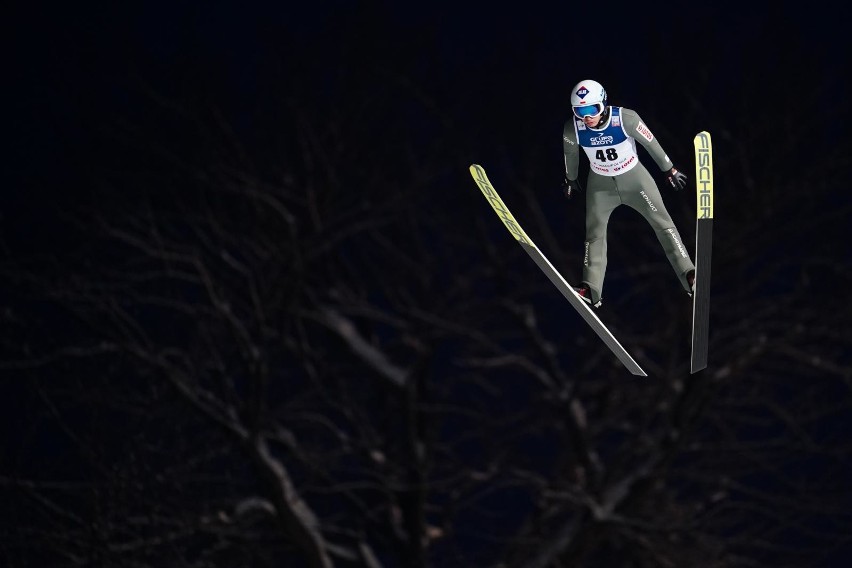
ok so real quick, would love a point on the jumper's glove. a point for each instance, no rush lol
(676, 179)
(570, 187)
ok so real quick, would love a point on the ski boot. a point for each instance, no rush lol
(586, 294)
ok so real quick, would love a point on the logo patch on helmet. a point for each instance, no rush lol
(582, 92)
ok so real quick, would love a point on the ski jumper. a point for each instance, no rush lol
(617, 178)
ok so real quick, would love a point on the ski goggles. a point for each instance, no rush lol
(588, 110)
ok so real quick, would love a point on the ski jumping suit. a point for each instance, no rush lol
(616, 177)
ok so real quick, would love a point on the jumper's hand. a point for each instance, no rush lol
(676, 179)
(570, 187)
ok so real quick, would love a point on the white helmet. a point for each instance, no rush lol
(588, 98)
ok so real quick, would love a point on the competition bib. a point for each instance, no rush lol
(611, 151)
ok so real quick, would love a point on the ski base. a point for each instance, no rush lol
(555, 277)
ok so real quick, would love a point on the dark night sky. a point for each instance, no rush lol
(76, 72)
(75, 69)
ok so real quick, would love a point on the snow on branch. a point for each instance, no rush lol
(370, 355)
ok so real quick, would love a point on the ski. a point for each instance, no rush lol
(703, 250)
(567, 290)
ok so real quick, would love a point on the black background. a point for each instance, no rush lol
(501, 75)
